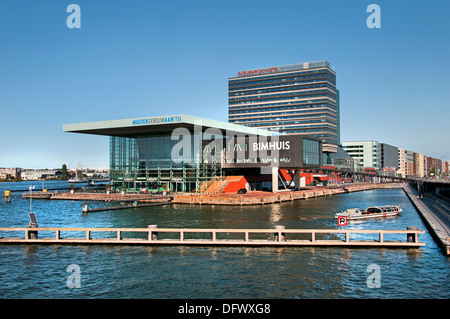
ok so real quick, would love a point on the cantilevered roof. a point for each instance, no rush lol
(159, 125)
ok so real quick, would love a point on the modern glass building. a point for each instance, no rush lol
(293, 99)
(342, 160)
(146, 162)
(182, 152)
(388, 157)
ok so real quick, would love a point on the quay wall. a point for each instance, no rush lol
(261, 198)
(439, 229)
(251, 198)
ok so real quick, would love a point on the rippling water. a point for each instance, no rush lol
(40, 271)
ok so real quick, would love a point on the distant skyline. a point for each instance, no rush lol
(139, 58)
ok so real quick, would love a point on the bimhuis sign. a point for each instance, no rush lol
(263, 151)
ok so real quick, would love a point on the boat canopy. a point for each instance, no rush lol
(382, 209)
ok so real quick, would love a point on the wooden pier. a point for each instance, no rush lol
(225, 237)
(86, 209)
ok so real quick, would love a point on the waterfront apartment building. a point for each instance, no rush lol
(420, 165)
(405, 163)
(409, 164)
(381, 156)
(401, 162)
(365, 152)
(388, 157)
(445, 168)
(41, 174)
(10, 173)
(299, 99)
(434, 166)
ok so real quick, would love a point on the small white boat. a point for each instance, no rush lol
(371, 212)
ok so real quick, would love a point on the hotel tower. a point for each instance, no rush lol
(299, 99)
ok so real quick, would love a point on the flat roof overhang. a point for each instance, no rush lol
(160, 125)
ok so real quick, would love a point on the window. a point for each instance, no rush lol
(311, 152)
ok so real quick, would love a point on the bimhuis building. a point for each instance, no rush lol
(280, 118)
(182, 153)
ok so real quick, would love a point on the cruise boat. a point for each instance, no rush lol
(371, 212)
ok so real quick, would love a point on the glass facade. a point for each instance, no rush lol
(311, 152)
(138, 163)
(158, 163)
(341, 160)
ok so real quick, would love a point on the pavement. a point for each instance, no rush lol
(436, 213)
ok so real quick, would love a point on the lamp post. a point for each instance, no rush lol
(30, 188)
(441, 165)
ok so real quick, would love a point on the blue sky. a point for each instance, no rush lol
(147, 58)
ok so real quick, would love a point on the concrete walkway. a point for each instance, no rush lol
(436, 215)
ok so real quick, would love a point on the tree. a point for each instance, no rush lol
(432, 171)
(65, 175)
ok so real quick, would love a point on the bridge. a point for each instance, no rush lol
(424, 184)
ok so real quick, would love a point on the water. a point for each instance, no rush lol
(40, 271)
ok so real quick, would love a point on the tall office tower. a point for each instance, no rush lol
(294, 99)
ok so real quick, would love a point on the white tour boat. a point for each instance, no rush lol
(371, 212)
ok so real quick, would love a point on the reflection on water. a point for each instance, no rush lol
(276, 214)
(220, 272)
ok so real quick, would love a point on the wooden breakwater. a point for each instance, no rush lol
(114, 201)
(86, 209)
(38, 195)
(152, 235)
(98, 196)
